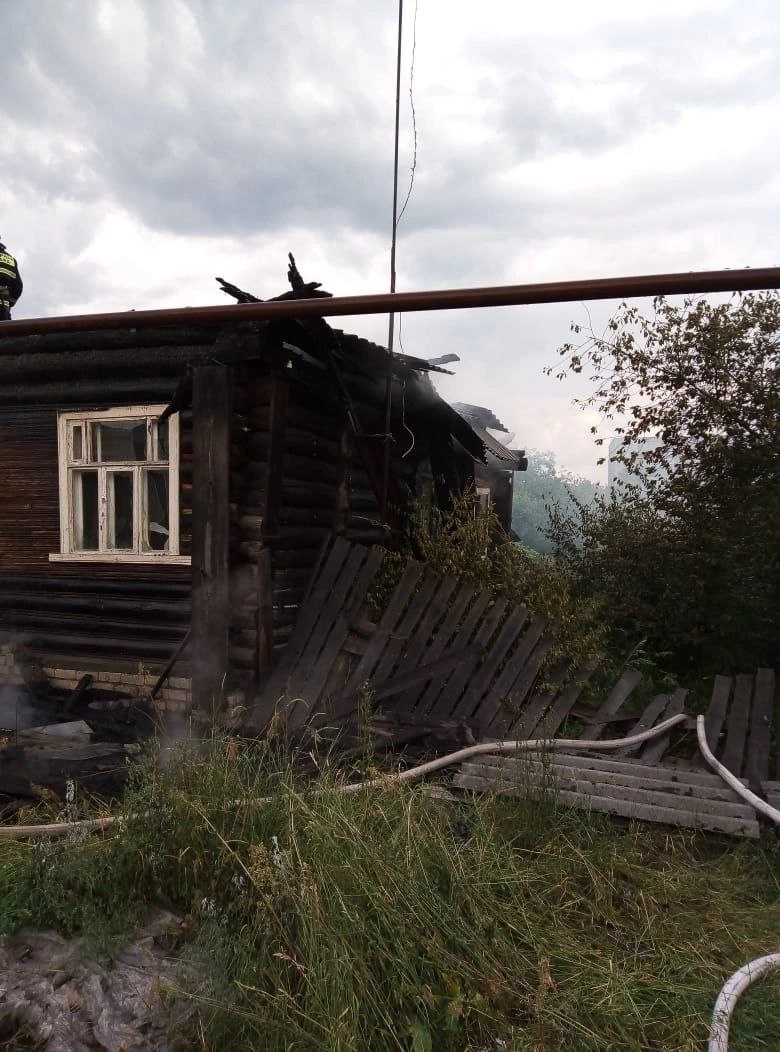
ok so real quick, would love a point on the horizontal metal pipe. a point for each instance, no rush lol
(403, 302)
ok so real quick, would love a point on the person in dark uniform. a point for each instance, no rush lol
(10, 282)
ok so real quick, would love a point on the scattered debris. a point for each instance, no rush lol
(58, 998)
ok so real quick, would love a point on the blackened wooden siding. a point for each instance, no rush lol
(126, 612)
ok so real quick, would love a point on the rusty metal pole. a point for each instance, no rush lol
(748, 279)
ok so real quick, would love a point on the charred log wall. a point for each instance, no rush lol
(126, 612)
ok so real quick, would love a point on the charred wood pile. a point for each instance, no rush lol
(50, 737)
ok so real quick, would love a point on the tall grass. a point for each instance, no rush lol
(393, 920)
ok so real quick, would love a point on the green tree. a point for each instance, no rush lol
(689, 560)
(543, 486)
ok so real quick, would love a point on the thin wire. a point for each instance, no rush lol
(414, 117)
(391, 323)
(403, 416)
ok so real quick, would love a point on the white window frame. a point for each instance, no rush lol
(483, 499)
(68, 464)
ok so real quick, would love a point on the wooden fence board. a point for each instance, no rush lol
(524, 683)
(304, 624)
(645, 721)
(736, 731)
(517, 769)
(348, 603)
(328, 616)
(421, 644)
(503, 686)
(448, 700)
(457, 607)
(716, 713)
(617, 696)
(654, 750)
(404, 633)
(565, 701)
(757, 761)
(434, 698)
(676, 816)
(386, 626)
(523, 723)
(501, 646)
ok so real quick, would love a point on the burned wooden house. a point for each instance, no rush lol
(177, 484)
(494, 477)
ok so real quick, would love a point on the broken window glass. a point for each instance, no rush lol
(162, 440)
(78, 444)
(85, 511)
(120, 510)
(157, 526)
(121, 440)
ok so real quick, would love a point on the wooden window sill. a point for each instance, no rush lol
(130, 558)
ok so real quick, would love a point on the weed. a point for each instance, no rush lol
(391, 920)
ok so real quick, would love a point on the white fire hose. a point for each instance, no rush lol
(738, 982)
(727, 998)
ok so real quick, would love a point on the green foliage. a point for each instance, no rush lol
(391, 920)
(538, 489)
(689, 559)
(476, 549)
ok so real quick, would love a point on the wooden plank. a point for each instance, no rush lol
(282, 558)
(628, 809)
(419, 645)
(616, 697)
(520, 771)
(757, 762)
(501, 646)
(440, 641)
(716, 713)
(736, 730)
(525, 681)
(565, 700)
(646, 721)
(655, 749)
(387, 624)
(404, 633)
(347, 609)
(447, 702)
(524, 723)
(210, 534)
(305, 620)
(307, 680)
(672, 775)
(347, 703)
(327, 617)
(493, 705)
(432, 699)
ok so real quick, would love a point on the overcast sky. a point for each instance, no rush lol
(149, 146)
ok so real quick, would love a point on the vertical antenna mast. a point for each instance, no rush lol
(391, 324)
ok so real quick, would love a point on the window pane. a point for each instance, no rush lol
(122, 440)
(162, 440)
(120, 510)
(78, 445)
(156, 527)
(85, 511)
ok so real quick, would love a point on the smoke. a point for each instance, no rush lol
(19, 711)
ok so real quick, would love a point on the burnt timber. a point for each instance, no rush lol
(281, 431)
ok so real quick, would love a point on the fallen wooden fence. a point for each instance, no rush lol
(649, 782)
(441, 651)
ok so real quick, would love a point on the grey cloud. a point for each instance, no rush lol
(210, 142)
